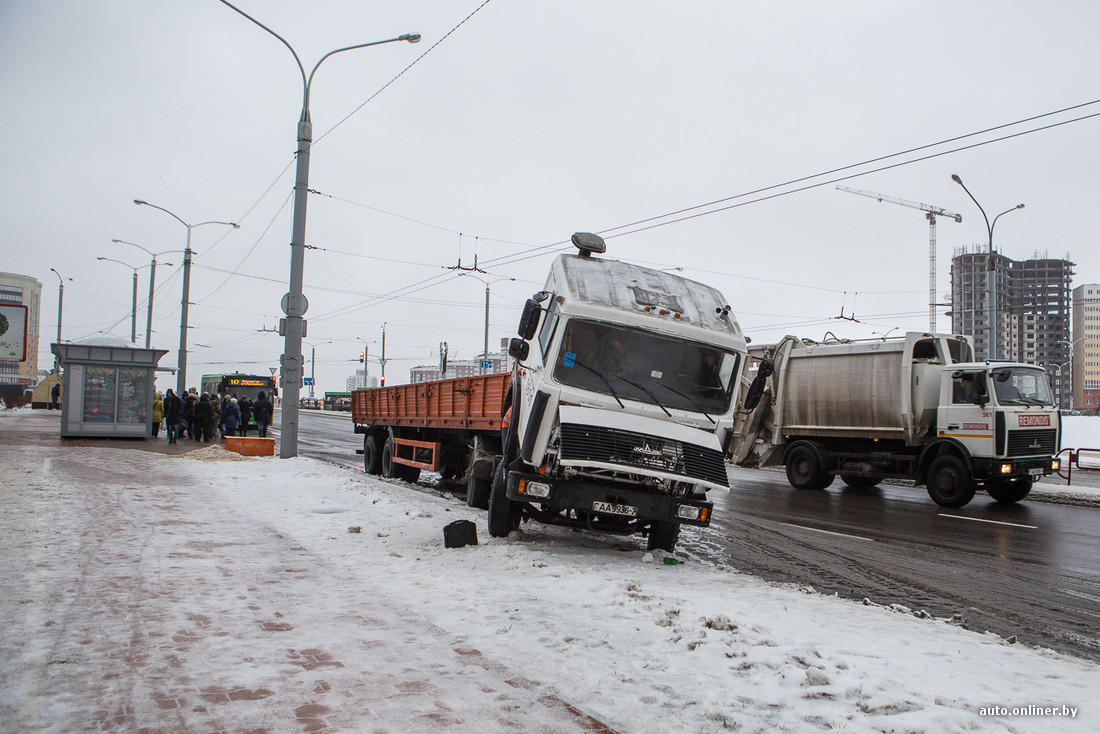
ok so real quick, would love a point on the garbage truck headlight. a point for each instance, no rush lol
(534, 489)
(1006, 468)
(1055, 464)
(688, 512)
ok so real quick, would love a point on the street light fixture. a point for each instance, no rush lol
(294, 303)
(485, 347)
(181, 375)
(152, 281)
(60, 300)
(990, 276)
(133, 307)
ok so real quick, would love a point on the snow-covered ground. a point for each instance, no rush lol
(631, 638)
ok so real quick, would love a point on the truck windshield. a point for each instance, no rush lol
(1021, 386)
(632, 364)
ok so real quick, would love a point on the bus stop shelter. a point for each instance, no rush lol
(107, 388)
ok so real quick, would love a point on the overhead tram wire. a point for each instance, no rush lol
(542, 250)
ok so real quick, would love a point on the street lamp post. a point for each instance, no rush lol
(313, 366)
(152, 281)
(990, 269)
(294, 303)
(1069, 363)
(485, 346)
(60, 301)
(133, 307)
(181, 375)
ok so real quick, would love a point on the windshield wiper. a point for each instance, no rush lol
(600, 375)
(689, 399)
(643, 389)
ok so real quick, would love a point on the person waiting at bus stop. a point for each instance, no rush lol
(263, 410)
(231, 416)
(245, 405)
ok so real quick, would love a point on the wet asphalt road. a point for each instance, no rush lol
(1030, 570)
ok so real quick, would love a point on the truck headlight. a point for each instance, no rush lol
(691, 512)
(1006, 468)
(533, 489)
(1055, 464)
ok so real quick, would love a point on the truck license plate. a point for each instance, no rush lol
(1036, 473)
(610, 509)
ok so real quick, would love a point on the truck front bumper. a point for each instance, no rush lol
(626, 503)
(1013, 469)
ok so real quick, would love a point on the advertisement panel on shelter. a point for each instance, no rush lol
(13, 332)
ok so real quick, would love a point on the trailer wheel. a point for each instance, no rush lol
(390, 469)
(856, 481)
(1008, 492)
(949, 482)
(805, 469)
(663, 535)
(477, 492)
(372, 457)
(504, 514)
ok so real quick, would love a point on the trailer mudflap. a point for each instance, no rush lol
(627, 503)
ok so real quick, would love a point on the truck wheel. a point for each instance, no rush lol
(1008, 492)
(805, 470)
(390, 469)
(477, 492)
(504, 514)
(372, 457)
(949, 482)
(663, 535)
(855, 481)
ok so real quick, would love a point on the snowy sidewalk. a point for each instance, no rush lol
(135, 601)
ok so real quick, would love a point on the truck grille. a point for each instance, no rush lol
(630, 449)
(1031, 443)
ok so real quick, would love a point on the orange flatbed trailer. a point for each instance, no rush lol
(458, 407)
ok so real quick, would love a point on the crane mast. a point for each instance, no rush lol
(930, 212)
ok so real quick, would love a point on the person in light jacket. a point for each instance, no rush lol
(158, 413)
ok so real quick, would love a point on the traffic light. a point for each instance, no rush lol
(362, 357)
(383, 383)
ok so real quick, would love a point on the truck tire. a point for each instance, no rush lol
(390, 469)
(805, 469)
(949, 481)
(663, 535)
(372, 457)
(504, 514)
(1008, 492)
(477, 492)
(856, 481)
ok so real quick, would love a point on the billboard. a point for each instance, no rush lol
(13, 332)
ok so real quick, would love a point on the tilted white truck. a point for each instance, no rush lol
(624, 391)
(916, 407)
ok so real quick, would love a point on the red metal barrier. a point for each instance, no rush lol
(1075, 460)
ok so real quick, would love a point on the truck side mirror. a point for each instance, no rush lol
(518, 349)
(756, 388)
(529, 321)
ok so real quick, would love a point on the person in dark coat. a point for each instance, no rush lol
(245, 405)
(263, 411)
(231, 416)
(55, 396)
(204, 419)
(173, 414)
(189, 401)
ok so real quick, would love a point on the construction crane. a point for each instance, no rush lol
(930, 213)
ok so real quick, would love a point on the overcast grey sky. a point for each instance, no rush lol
(527, 123)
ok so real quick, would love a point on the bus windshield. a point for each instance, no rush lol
(632, 364)
(1021, 386)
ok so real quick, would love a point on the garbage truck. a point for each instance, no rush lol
(916, 407)
(614, 419)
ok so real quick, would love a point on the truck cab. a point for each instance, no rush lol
(622, 398)
(1003, 416)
